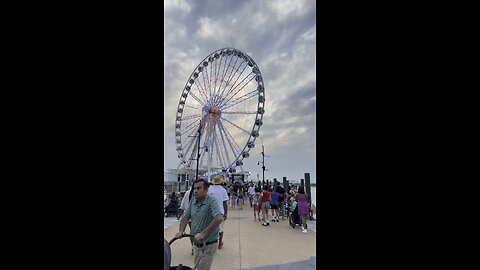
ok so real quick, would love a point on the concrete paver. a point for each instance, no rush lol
(248, 244)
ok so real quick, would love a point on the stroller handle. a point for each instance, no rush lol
(183, 235)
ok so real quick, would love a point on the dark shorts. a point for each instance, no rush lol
(274, 206)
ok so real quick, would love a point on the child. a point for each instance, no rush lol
(234, 200)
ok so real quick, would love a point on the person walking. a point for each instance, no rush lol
(183, 206)
(258, 195)
(255, 198)
(274, 206)
(220, 194)
(264, 202)
(206, 217)
(282, 198)
(229, 193)
(303, 208)
(251, 193)
(240, 196)
(233, 200)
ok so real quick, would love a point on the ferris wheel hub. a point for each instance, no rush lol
(213, 110)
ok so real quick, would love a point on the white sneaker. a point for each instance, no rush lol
(305, 231)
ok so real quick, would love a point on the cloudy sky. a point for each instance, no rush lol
(280, 36)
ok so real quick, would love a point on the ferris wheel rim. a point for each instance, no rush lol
(260, 104)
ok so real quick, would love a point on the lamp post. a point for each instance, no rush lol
(263, 164)
(198, 148)
(198, 154)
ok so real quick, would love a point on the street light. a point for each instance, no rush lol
(263, 164)
(198, 148)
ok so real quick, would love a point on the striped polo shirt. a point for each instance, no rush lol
(202, 215)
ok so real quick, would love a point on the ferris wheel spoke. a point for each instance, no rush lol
(239, 75)
(228, 98)
(190, 137)
(190, 128)
(201, 91)
(221, 158)
(235, 86)
(188, 106)
(235, 125)
(214, 89)
(231, 141)
(232, 96)
(193, 116)
(210, 140)
(214, 80)
(191, 133)
(225, 70)
(233, 69)
(222, 136)
(191, 124)
(221, 76)
(210, 80)
(225, 157)
(196, 98)
(205, 80)
(187, 149)
(240, 100)
(217, 71)
(239, 112)
(211, 156)
(202, 150)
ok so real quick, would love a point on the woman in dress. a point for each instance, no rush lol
(303, 208)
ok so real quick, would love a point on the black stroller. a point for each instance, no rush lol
(294, 217)
(167, 255)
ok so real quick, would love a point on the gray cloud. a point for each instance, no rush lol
(281, 38)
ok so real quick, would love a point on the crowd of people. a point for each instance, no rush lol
(205, 210)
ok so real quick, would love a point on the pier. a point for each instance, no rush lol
(250, 246)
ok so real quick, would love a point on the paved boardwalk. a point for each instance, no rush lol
(248, 245)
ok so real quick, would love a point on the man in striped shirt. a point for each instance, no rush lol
(206, 216)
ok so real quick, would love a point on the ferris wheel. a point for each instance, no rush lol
(220, 112)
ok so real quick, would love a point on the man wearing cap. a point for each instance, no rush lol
(220, 194)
